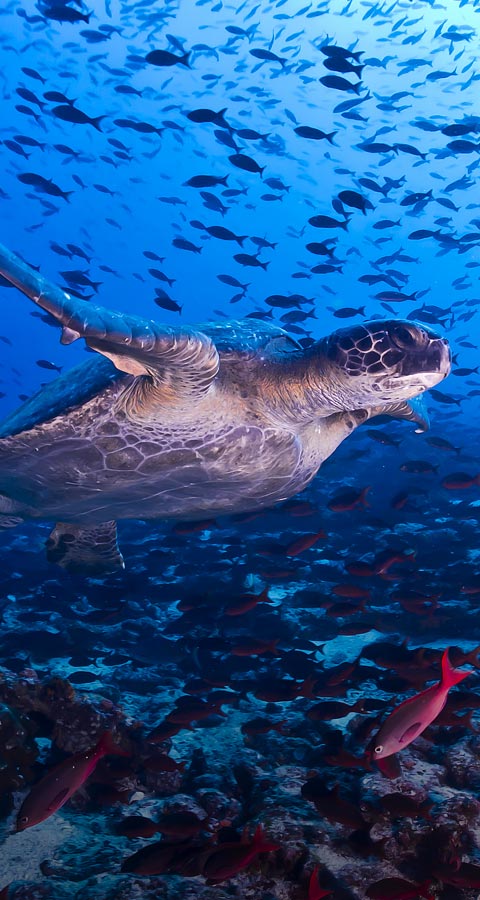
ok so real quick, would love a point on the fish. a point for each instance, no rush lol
(247, 259)
(69, 113)
(61, 782)
(315, 891)
(304, 543)
(337, 83)
(242, 161)
(408, 720)
(46, 364)
(202, 181)
(328, 222)
(348, 500)
(166, 59)
(227, 859)
(393, 888)
(208, 115)
(347, 312)
(355, 200)
(267, 56)
(183, 244)
(224, 234)
(314, 134)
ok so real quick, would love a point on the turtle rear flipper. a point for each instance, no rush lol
(85, 549)
(136, 346)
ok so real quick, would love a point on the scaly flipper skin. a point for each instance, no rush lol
(86, 549)
(136, 346)
(412, 410)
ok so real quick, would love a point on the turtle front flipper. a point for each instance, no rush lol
(85, 549)
(413, 410)
(136, 346)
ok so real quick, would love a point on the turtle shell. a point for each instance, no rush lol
(69, 390)
(247, 337)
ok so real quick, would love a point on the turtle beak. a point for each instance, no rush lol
(433, 358)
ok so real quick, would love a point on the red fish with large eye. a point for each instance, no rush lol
(408, 720)
(61, 782)
(225, 860)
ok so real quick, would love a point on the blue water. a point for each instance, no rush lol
(417, 95)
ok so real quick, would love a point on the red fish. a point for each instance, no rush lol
(136, 826)
(227, 859)
(298, 508)
(411, 717)
(154, 859)
(181, 824)
(327, 710)
(315, 892)
(262, 726)
(360, 569)
(245, 603)
(192, 527)
(398, 889)
(256, 647)
(384, 561)
(61, 782)
(466, 875)
(399, 500)
(348, 500)
(304, 543)
(470, 589)
(459, 481)
(163, 763)
(345, 608)
(352, 591)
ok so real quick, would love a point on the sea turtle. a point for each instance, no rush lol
(183, 422)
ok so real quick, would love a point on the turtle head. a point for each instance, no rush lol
(381, 361)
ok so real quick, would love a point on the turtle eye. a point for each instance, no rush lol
(378, 749)
(403, 336)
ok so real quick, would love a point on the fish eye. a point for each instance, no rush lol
(23, 820)
(378, 749)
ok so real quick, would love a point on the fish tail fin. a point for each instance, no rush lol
(106, 745)
(363, 498)
(451, 676)
(185, 60)
(263, 597)
(260, 842)
(472, 658)
(96, 122)
(307, 688)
